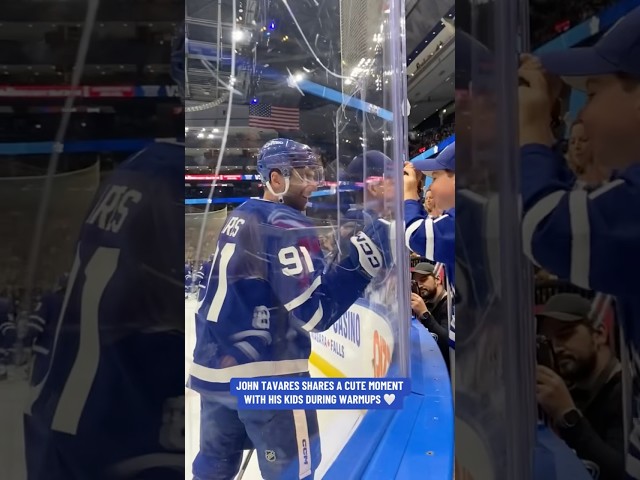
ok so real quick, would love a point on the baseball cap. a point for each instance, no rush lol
(566, 307)
(617, 51)
(424, 268)
(446, 160)
(376, 162)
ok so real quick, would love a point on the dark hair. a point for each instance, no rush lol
(629, 82)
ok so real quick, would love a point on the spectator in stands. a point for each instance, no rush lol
(430, 206)
(429, 138)
(7, 336)
(580, 159)
(583, 396)
(547, 23)
(591, 240)
(434, 239)
(430, 305)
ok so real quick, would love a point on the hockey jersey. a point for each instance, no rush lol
(434, 239)
(267, 290)
(201, 278)
(111, 403)
(590, 239)
(42, 327)
(188, 278)
(7, 329)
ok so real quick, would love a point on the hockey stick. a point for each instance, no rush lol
(245, 465)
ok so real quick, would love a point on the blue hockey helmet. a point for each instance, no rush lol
(288, 156)
(178, 58)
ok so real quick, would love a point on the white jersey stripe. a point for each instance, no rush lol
(580, 238)
(430, 235)
(534, 216)
(410, 231)
(251, 333)
(311, 324)
(249, 370)
(304, 296)
(302, 439)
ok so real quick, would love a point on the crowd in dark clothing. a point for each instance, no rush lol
(550, 18)
(430, 138)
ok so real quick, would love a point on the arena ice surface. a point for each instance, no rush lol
(336, 426)
(13, 398)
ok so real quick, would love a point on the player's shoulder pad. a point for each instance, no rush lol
(158, 159)
(282, 216)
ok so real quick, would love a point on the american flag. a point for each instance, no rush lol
(278, 118)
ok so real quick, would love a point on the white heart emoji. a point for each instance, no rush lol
(389, 398)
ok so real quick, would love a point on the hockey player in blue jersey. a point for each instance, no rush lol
(7, 336)
(111, 404)
(591, 239)
(269, 287)
(188, 279)
(42, 324)
(202, 276)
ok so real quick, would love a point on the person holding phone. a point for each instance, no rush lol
(429, 304)
(580, 390)
(590, 238)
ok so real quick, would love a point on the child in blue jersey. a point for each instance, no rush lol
(592, 238)
(434, 238)
(268, 288)
(111, 402)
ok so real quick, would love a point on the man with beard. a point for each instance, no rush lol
(268, 288)
(430, 306)
(584, 397)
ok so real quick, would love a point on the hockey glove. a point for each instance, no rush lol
(366, 254)
(371, 248)
(381, 232)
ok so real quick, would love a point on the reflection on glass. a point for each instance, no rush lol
(294, 103)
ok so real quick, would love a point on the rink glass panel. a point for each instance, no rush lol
(340, 67)
(193, 222)
(495, 338)
(71, 193)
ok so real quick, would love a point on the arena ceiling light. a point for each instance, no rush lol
(238, 35)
